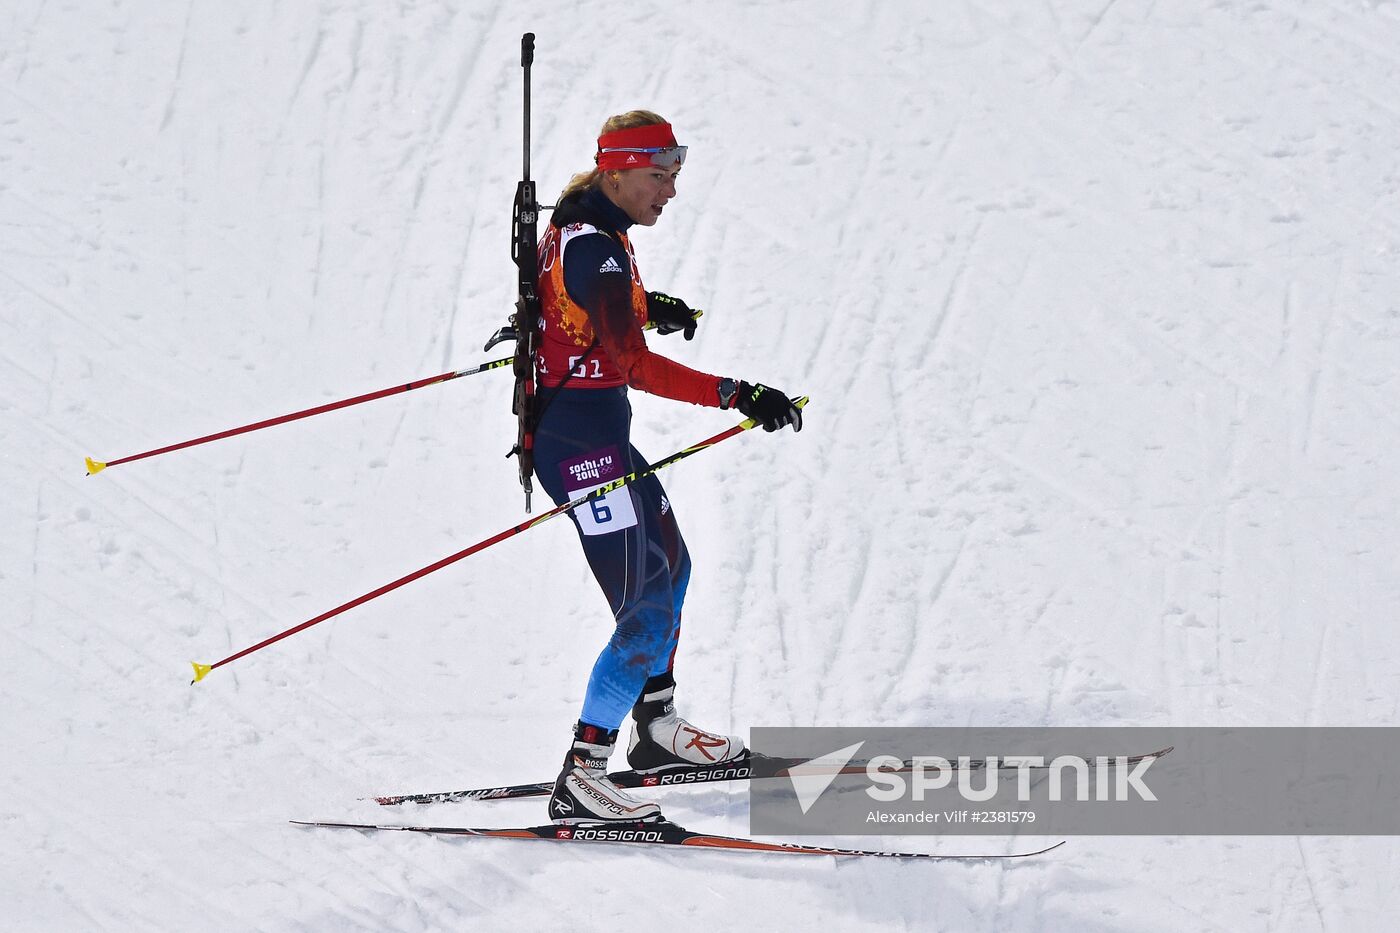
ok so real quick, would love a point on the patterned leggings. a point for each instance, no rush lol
(629, 536)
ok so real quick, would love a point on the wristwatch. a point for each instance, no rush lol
(728, 388)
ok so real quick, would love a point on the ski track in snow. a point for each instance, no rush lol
(1095, 302)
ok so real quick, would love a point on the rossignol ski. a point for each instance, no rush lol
(740, 769)
(665, 834)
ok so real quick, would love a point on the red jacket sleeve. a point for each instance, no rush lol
(621, 337)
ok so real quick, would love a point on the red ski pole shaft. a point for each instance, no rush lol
(97, 466)
(202, 670)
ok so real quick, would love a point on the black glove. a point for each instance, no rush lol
(768, 407)
(670, 315)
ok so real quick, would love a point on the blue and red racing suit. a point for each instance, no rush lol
(591, 349)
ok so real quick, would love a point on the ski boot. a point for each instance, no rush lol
(662, 741)
(584, 795)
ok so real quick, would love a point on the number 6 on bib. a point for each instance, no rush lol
(606, 514)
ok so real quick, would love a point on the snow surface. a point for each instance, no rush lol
(1096, 302)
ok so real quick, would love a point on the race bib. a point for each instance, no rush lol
(605, 514)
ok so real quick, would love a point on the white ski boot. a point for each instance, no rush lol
(584, 795)
(663, 741)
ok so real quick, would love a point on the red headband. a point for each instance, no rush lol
(652, 136)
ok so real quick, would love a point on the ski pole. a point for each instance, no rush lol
(202, 670)
(97, 466)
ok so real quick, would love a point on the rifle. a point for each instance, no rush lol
(524, 323)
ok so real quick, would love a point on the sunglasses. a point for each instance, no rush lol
(663, 156)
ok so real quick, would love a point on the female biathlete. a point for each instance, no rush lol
(591, 349)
